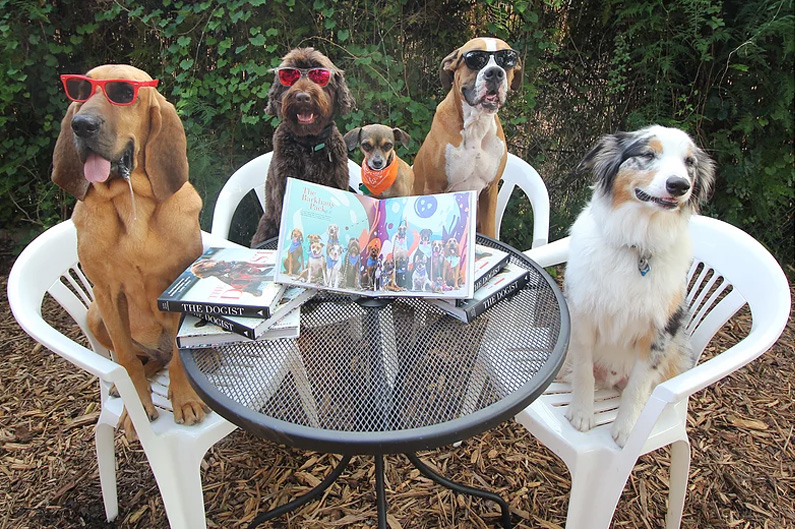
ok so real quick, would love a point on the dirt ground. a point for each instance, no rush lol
(742, 473)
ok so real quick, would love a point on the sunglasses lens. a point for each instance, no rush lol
(77, 89)
(506, 58)
(288, 76)
(319, 76)
(475, 60)
(120, 93)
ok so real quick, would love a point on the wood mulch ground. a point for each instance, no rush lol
(742, 473)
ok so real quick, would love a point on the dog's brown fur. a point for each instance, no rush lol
(315, 153)
(452, 274)
(377, 143)
(132, 251)
(294, 263)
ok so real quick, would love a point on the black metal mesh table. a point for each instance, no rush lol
(382, 376)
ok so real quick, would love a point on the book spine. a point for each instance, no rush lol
(479, 282)
(507, 291)
(201, 309)
(227, 325)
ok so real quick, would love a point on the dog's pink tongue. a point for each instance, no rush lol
(96, 168)
(306, 117)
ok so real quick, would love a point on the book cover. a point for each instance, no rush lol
(291, 298)
(402, 246)
(504, 284)
(228, 281)
(488, 262)
(199, 332)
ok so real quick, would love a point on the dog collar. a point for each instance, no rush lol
(315, 143)
(379, 181)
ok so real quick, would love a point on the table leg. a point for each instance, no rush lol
(380, 494)
(464, 489)
(309, 496)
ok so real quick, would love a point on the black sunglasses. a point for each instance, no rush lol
(477, 59)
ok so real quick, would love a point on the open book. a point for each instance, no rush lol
(402, 246)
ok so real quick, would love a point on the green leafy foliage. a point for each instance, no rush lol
(721, 70)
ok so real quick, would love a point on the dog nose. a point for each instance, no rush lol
(494, 73)
(677, 186)
(303, 97)
(377, 164)
(86, 126)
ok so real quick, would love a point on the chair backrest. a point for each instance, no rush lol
(49, 264)
(521, 174)
(251, 177)
(730, 268)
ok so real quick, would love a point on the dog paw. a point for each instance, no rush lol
(579, 417)
(620, 432)
(188, 407)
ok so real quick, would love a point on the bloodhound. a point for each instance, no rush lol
(122, 152)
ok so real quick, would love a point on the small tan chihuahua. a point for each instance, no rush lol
(384, 174)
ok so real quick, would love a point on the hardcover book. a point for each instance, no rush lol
(253, 328)
(488, 262)
(402, 246)
(225, 281)
(504, 284)
(198, 332)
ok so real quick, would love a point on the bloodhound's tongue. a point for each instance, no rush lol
(96, 168)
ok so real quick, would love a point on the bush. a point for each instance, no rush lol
(720, 70)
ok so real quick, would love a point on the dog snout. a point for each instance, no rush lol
(377, 163)
(303, 97)
(677, 186)
(494, 73)
(86, 126)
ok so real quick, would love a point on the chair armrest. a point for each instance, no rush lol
(706, 373)
(551, 254)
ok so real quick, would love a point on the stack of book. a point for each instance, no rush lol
(495, 279)
(229, 295)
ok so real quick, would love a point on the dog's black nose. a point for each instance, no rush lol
(677, 186)
(86, 126)
(494, 73)
(303, 97)
(376, 164)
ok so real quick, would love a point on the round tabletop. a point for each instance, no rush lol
(394, 376)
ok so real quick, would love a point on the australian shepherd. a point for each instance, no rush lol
(625, 279)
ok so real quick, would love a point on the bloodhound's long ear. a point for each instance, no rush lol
(447, 70)
(166, 163)
(67, 171)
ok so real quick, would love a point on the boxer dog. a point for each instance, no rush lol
(465, 148)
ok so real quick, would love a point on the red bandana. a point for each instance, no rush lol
(379, 181)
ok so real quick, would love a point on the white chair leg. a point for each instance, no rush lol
(594, 496)
(104, 435)
(178, 475)
(680, 467)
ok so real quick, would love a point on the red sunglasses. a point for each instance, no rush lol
(289, 76)
(121, 92)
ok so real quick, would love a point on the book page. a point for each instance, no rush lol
(403, 246)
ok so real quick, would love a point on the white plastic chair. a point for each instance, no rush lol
(49, 264)
(521, 174)
(251, 176)
(730, 269)
(518, 173)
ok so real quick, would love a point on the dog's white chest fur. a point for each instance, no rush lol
(604, 279)
(473, 164)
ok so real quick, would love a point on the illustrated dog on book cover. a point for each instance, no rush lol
(121, 152)
(625, 279)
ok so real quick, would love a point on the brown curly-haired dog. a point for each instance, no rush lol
(306, 144)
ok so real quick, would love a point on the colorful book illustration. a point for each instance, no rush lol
(253, 328)
(225, 281)
(403, 246)
(504, 284)
(197, 332)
